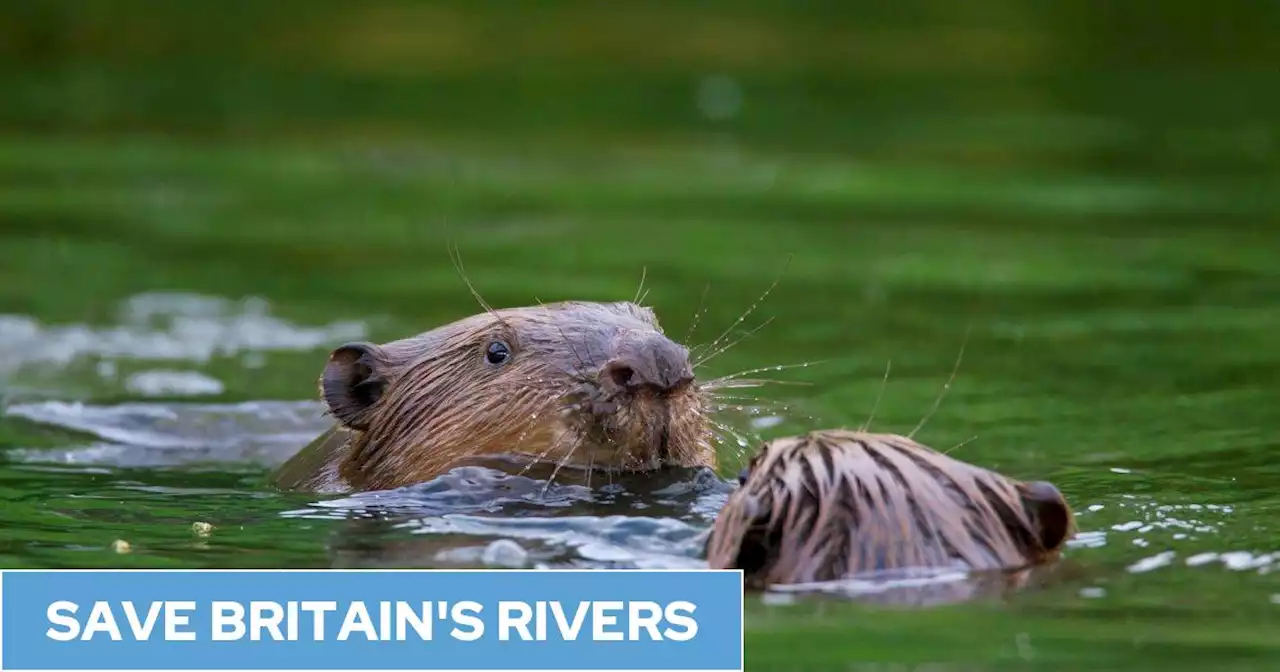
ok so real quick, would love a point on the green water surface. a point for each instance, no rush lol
(1081, 195)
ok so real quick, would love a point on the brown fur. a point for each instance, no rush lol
(595, 386)
(833, 504)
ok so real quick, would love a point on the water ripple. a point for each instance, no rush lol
(169, 327)
(572, 524)
(500, 514)
(171, 434)
(1151, 523)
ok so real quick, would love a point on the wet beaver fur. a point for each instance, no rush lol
(594, 386)
(834, 504)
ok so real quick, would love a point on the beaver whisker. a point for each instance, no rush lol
(726, 347)
(591, 469)
(697, 315)
(750, 309)
(748, 382)
(947, 387)
(719, 400)
(740, 441)
(874, 407)
(455, 255)
(732, 398)
(762, 369)
(736, 455)
(961, 444)
(548, 408)
(751, 409)
(557, 443)
(564, 460)
(721, 396)
(644, 272)
(748, 405)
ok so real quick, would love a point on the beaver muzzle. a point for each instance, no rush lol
(640, 389)
(651, 362)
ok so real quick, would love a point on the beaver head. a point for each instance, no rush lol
(834, 504)
(594, 385)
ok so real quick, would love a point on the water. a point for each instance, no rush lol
(197, 202)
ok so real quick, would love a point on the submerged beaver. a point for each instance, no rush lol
(596, 386)
(833, 504)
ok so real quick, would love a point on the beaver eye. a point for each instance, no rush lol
(497, 353)
(744, 475)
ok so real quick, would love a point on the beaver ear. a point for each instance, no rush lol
(1049, 508)
(353, 381)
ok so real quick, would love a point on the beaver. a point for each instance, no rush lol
(835, 504)
(591, 386)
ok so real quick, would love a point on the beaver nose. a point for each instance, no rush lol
(652, 361)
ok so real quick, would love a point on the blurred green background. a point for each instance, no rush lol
(1087, 190)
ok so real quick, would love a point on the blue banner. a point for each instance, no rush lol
(371, 620)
